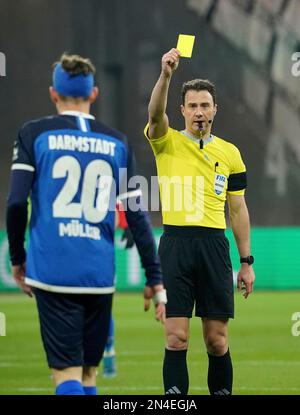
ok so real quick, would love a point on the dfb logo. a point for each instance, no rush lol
(296, 325)
(2, 64)
(2, 324)
(296, 66)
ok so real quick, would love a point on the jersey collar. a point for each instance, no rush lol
(78, 114)
(195, 138)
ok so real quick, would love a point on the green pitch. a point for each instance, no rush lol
(265, 354)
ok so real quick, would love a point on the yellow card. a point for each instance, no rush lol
(185, 45)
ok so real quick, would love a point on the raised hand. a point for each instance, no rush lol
(170, 62)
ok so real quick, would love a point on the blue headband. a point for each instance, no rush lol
(70, 85)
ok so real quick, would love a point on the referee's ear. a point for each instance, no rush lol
(215, 109)
(182, 110)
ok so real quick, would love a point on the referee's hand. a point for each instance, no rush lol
(170, 62)
(245, 280)
(18, 272)
(160, 308)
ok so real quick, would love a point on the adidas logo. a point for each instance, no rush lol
(173, 391)
(222, 392)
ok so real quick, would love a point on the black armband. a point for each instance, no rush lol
(237, 181)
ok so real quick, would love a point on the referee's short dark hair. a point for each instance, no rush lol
(198, 85)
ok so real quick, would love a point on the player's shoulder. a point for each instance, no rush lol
(100, 127)
(36, 126)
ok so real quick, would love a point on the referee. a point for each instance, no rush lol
(198, 172)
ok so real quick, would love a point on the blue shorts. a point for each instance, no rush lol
(74, 327)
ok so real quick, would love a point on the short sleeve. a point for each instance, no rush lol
(237, 180)
(161, 144)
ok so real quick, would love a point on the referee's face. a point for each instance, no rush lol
(198, 111)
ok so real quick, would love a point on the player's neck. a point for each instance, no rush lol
(82, 107)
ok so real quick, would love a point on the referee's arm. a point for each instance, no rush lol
(240, 223)
(158, 119)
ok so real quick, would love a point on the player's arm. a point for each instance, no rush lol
(22, 176)
(240, 223)
(121, 223)
(16, 223)
(158, 119)
(140, 226)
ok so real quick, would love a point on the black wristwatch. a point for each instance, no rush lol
(248, 260)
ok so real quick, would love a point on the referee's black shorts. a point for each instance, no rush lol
(197, 271)
(74, 327)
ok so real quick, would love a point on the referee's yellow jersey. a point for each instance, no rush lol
(193, 182)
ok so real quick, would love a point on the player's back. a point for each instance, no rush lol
(76, 162)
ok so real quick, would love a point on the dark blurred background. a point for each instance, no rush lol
(244, 46)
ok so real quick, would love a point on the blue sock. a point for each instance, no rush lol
(70, 387)
(90, 390)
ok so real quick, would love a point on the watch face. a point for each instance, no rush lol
(251, 259)
(248, 260)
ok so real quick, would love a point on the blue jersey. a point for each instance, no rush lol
(79, 166)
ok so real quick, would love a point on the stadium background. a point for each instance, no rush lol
(244, 46)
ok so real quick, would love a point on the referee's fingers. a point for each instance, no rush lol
(239, 283)
(249, 289)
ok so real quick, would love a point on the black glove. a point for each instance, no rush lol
(128, 237)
